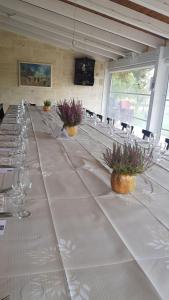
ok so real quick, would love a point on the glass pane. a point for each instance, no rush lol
(126, 107)
(167, 96)
(139, 123)
(166, 117)
(133, 81)
(165, 133)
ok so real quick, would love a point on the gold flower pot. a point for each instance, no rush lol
(71, 130)
(46, 108)
(123, 184)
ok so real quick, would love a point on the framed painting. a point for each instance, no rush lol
(32, 74)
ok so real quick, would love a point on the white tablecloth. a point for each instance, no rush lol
(84, 241)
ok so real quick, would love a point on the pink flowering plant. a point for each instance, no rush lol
(128, 159)
(70, 112)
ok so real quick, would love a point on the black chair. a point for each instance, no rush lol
(167, 144)
(91, 113)
(100, 117)
(1, 112)
(109, 120)
(125, 125)
(147, 133)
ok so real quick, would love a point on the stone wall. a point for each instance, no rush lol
(14, 48)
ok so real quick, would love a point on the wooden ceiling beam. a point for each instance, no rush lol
(48, 41)
(127, 15)
(58, 38)
(160, 6)
(96, 21)
(53, 19)
(65, 33)
(142, 9)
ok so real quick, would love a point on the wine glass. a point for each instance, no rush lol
(18, 200)
(24, 181)
(20, 191)
(163, 148)
(2, 203)
(95, 120)
(111, 128)
(128, 131)
(151, 139)
(157, 153)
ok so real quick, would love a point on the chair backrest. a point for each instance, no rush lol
(167, 142)
(1, 112)
(132, 128)
(100, 117)
(109, 120)
(146, 133)
(124, 125)
(91, 113)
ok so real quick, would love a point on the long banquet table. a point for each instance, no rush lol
(83, 241)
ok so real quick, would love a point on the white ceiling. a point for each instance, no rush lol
(94, 27)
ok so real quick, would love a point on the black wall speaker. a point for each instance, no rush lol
(84, 71)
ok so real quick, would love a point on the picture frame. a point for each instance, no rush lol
(35, 74)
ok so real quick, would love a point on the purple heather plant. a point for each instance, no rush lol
(128, 159)
(70, 112)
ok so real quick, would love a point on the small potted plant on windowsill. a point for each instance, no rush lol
(47, 105)
(71, 113)
(127, 161)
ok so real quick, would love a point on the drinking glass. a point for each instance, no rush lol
(84, 116)
(24, 181)
(18, 194)
(17, 159)
(163, 148)
(151, 139)
(128, 131)
(18, 200)
(2, 203)
(157, 153)
(95, 120)
(111, 128)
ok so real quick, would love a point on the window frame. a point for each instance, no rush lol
(166, 100)
(130, 68)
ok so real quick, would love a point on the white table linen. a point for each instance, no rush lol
(84, 241)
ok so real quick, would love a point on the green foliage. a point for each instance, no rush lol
(47, 103)
(128, 159)
(136, 81)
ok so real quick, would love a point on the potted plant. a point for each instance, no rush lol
(71, 113)
(47, 105)
(127, 161)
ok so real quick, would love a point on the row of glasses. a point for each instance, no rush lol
(95, 121)
(111, 127)
(23, 184)
(152, 143)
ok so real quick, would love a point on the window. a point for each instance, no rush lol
(165, 125)
(130, 97)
